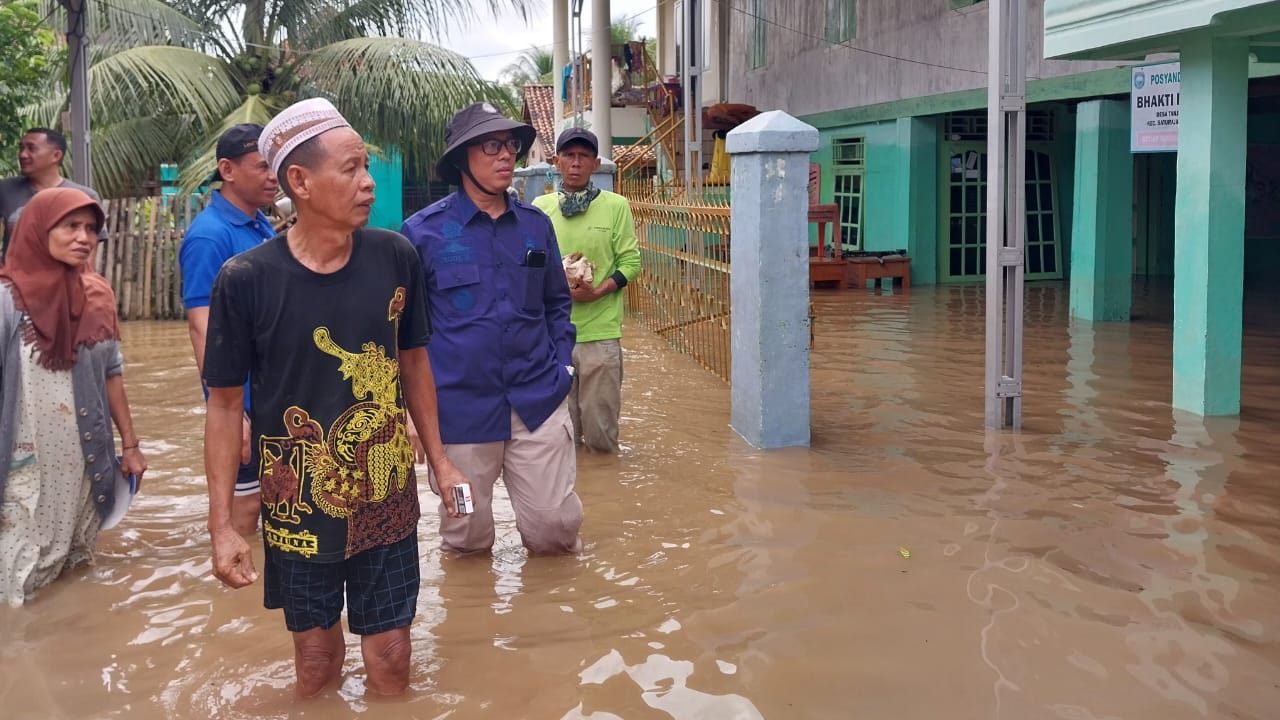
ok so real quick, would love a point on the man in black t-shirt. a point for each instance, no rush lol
(329, 322)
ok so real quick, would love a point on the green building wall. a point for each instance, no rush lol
(899, 188)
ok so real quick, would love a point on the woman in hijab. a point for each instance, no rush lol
(60, 381)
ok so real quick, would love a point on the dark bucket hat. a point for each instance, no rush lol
(237, 141)
(472, 122)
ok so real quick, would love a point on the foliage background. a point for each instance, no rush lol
(28, 54)
(168, 76)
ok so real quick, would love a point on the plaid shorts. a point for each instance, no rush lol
(381, 587)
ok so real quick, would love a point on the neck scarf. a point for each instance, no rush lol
(576, 203)
(66, 306)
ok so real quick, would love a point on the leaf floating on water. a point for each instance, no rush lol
(905, 553)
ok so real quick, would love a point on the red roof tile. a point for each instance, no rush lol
(624, 153)
(539, 111)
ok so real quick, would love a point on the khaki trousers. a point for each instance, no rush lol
(538, 469)
(595, 402)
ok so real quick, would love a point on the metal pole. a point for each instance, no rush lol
(697, 56)
(691, 71)
(78, 48)
(687, 70)
(1006, 213)
(579, 66)
(560, 57)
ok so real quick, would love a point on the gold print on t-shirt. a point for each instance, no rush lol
(366, 450)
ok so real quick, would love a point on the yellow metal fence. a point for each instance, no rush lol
(682, 293)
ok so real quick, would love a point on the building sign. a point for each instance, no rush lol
(1154, 108)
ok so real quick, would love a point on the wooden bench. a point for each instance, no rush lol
(862, 269)
(829, 270)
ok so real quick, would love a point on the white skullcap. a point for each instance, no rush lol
(295, 125)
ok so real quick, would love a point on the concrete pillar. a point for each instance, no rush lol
(603, 177)
(1208, 260)
(601, 77)
(916, 196)
(769, 279)
(533, 181)
(1102, 219)
(559, 53)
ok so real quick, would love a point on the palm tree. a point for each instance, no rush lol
(532, 67)
(168, 77)
(26, 57)
(623, 30)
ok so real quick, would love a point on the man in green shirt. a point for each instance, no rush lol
(596, 223)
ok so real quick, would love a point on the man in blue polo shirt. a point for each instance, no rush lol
(501, 344)
(231, 224)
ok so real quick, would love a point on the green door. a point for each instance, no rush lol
(963, 213)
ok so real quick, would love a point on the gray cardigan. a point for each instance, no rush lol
(88, 378)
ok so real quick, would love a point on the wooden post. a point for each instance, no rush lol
(147, 305)
(126, 261)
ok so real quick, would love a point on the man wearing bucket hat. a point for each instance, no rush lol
(502, 342)
(330, 321)
(232, 223)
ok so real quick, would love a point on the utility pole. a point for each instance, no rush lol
(1006, 210)
(579, 67)
(78, 48)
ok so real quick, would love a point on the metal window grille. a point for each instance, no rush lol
(757, 34)
(972, 126)
(842, 20)
(848, 162)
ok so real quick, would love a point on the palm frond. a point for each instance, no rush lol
(162, 80)
(121, 23)
(255, 109)
(399, 93)
(532, 67)
(47, 111)
(310, 23)
(124, 153)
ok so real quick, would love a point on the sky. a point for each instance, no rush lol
(501, 40)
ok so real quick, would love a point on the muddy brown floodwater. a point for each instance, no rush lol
(1114, 560)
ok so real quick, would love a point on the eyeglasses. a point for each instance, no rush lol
(493, 147)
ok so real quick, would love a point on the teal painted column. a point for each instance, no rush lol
(769, 279)
(1102, 219)
(1208, 259)
(388, 205)
(916, 196)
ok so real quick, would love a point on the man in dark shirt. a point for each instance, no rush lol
(40, 161)
(328, 322)
(502, 344)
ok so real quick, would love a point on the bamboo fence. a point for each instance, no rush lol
(140, 256)
(682, 293)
